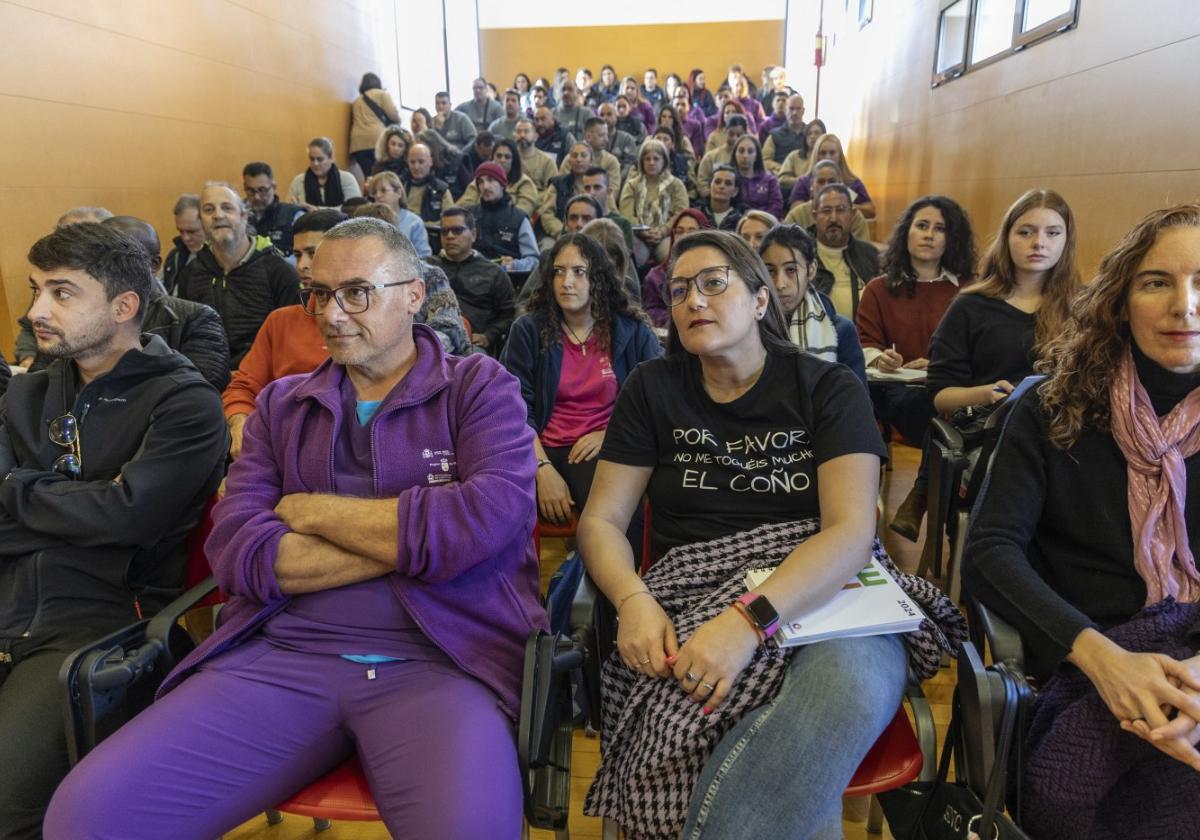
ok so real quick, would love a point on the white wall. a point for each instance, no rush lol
(507, 14)
(423, 50)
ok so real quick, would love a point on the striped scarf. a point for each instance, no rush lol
(811, 327)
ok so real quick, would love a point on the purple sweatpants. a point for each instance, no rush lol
(258, 723)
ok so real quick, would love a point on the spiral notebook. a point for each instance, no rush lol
(870, 604)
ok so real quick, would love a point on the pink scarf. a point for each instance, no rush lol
(1155, 451)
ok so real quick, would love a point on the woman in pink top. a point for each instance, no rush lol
(572, 350)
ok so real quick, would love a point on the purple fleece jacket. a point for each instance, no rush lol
(761, 192)
(466, 568)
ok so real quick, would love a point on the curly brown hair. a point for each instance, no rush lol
(1080, 360)
(998, 273)
(606, 291)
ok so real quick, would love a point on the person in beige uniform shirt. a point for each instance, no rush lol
(824, 173)
(366, 122)
(535, 163)
(595, 133)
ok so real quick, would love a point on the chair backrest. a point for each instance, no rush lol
(198, 568)
(648, 557)
(993, 430)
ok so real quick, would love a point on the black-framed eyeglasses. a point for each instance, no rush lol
(268, 190)
(709, 282)
(351, 299)
(64, 431)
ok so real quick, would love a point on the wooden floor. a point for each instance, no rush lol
(586, 755)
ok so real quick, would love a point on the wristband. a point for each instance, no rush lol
(543, 462)
(621, 603)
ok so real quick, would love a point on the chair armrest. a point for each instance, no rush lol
(1002, 638)
(944, 432)
(163, 626)
(924, 725)
(583, 606)
(544, 728)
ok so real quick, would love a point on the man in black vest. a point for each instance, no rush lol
(789, 137)
(505, 234)
(243, 277)
(485, 293)
(270, 217)
(426, 193)
(844, 264)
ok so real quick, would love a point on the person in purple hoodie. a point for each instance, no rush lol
(758, 188)
(777, 118)
(692, 119)
(375, 544)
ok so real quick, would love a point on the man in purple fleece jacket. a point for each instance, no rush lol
(375, 543)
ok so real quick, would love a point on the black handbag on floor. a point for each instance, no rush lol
(951, 810)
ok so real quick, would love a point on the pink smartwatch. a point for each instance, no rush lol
(761, 612)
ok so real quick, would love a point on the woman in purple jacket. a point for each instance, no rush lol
(638, 105)
(375, 547)
(758, 188)
(692, 119)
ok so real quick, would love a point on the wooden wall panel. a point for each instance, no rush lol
(128, 103)
(631, 49)
(1101, 113)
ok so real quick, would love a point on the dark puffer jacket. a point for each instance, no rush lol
(244, 297)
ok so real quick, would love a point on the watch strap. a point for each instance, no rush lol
(740, 609)
(749, 598)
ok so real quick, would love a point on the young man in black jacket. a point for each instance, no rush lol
(108, 457)
(189, 327)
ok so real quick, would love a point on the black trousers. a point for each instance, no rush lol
(907, 408)
(365, 160)
(579, 481)
(33, 741)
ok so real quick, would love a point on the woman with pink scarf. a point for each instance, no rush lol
(1085, 541)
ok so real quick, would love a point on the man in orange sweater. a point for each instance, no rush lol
(289, 340)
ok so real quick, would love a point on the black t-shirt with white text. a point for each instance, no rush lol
(720, 468)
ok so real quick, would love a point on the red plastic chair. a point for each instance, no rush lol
(197, 568)
(553, 530)
(341, 794)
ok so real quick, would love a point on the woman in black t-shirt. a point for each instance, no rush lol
(984, 344)
(733, 434)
